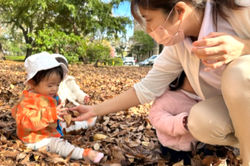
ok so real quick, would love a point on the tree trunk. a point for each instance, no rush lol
(85, 60)
(28, 40)
(1, 52)
(28, 52)
(75, 29)
(96, 63)
(57, 50)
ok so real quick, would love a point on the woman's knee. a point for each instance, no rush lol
(206, 127)
(236, 77)
(197, 124)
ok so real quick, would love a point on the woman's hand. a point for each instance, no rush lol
(86, 112)
(60, 111)
(218, 49)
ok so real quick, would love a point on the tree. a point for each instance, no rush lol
(11, 42)
(23, 15)
(142, 44)
(88, 17)
(73, 47)
(98, 52)
(81, 17)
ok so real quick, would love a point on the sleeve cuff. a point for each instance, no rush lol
(180, 129)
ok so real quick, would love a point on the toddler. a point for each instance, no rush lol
(168, 116)
(37, 112)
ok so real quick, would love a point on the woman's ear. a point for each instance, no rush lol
(180, 9)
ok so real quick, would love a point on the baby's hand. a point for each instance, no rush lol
(86, 99)
(61, 111)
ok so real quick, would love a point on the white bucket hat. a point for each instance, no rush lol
(61, 56)
(41, 61)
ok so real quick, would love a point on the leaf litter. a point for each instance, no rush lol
(126, 138)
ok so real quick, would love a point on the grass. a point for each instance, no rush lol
(15, 58)
(111, 62)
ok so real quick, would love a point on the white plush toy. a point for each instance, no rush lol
(68, 89)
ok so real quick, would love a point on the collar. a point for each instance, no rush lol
(207, 25)
(29, 93)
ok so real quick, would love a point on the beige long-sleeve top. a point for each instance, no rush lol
(174, 59)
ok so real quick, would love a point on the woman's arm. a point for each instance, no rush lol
(165, 70)
(121, 102)
(153, 85)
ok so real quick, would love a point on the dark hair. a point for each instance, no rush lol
(178, 82)
(167, 5)
(218, 8)
(62, 60)
(46, 73)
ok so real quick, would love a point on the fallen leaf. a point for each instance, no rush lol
(99, 137)
(67, 119)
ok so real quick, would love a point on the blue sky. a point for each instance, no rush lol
(124, 10)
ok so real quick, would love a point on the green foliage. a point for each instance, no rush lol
(12, 43)
(52, 40)
(97, 51)
(93, 17)
(79, 17)
(15, 58)
(142, 44)
(117, 61)
(120, 46)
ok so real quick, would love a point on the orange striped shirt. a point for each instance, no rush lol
(36, 117)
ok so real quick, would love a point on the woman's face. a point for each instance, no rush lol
(155, 18)
(183, 16)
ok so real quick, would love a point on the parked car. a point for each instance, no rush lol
(128, 61)
(143, 63)
(152, 59)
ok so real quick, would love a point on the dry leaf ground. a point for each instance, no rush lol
(126, 138)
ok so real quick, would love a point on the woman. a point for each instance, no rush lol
(210, 42)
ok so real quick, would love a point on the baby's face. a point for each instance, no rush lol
(48, 86)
